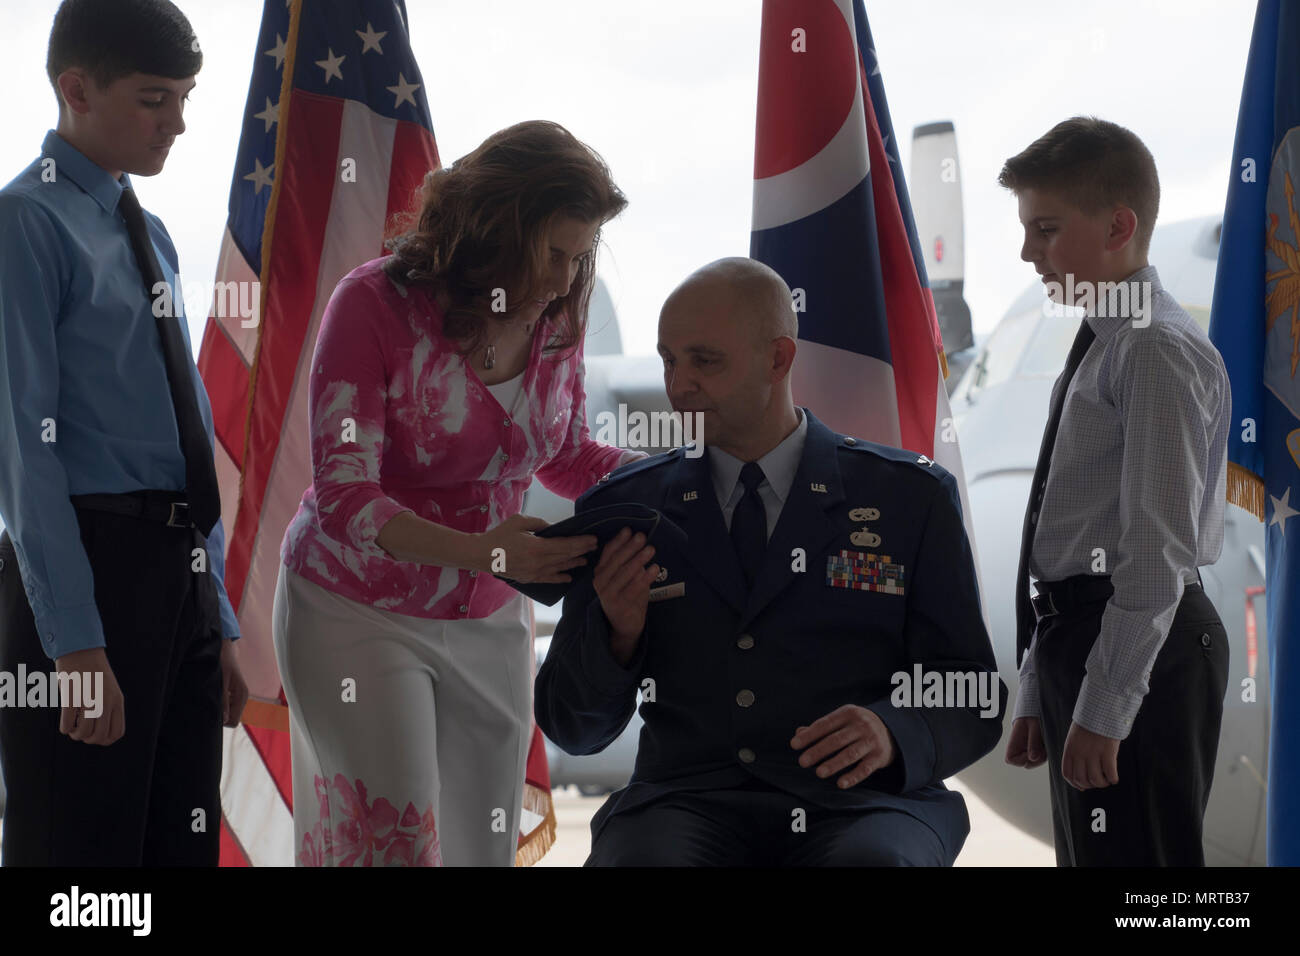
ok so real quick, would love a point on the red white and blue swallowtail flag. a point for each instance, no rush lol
(336, 138)
(831, 215)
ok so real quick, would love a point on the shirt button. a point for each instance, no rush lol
(745, 698)
(505, 422)
(473, 574)
(746, 755)
(745, 642)
(464, 608)
(482, 507)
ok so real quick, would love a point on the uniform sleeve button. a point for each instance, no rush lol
(745, 698)
(746, 755)
(1205, 640)
(745, 642)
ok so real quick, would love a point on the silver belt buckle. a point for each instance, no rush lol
(172, 521)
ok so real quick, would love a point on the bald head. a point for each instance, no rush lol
(727, 340)
(749, 292)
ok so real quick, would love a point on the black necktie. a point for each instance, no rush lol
(200, 473)
(749, 524)
(1025, 617)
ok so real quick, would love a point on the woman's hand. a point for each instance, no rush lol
(511, 551)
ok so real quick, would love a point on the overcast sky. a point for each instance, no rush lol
(665, 91)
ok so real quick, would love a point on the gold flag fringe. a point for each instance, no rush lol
(268, 714)
(537, 843)
(1246, 489)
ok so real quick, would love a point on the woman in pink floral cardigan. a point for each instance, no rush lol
(445, 377)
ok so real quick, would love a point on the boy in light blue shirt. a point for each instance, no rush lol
(109, 572)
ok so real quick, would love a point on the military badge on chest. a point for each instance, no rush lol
(864, 571)
(863, 536)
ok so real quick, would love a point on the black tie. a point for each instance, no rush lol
(749, 524)
(200, 474)
(1025, 617)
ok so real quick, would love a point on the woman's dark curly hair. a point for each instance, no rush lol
(483, 224)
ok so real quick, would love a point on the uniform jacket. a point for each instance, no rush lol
(733, 676)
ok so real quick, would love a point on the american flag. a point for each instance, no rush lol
(336, 138)
(832, 216)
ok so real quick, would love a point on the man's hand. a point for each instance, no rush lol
(110, 725)
(234, 692)
(1090, 760)
(530, 559)
(1025, 746)
(848, 736)
(622, 582)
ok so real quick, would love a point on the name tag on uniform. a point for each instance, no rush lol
(864, 571)
(668, 591)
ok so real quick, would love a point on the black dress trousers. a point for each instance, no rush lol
(152, 797)
(1154, 815)
(755, 824)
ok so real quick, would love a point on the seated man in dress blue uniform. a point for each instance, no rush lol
(778, 656)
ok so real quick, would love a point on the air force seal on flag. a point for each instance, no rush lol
(1282, 252)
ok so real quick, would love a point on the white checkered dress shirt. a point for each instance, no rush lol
(1139, 471)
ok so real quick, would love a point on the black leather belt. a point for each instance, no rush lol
(166, 507)
(1080, 591)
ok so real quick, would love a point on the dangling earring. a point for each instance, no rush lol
(490, 357)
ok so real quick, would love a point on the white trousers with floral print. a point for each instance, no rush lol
(409, 736)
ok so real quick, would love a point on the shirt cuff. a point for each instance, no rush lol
(1027, 704)
(602, 672)
(229, 621)
(1104, 711)
(65, 630)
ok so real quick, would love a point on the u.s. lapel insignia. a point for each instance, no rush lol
(668, 591)
(859, 571)
(690, 495)
(859, 515)
(819, 487)
(865, 538)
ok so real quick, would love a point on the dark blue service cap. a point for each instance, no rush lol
(604, 522)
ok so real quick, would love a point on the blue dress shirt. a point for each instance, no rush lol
(79, 348)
